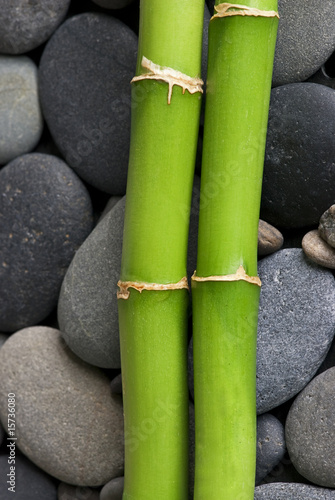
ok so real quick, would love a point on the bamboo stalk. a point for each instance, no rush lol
(240, 61)
(153, 321)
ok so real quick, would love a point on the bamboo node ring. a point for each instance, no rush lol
(238, 276)
(123, 292)
(222, 10)
(170, 76)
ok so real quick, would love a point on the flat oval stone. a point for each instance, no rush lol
(310, 428)
(318, 249)
(84, 75)
(295, 326)
(20, 125)
(270, 240)
(71, 426)
(305, 39)
(45, 215)
(292, 491)
(26, 25)
(299, 168)
(31, 483)
(327, 226)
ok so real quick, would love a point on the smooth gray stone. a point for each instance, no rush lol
(26, 25)
(292, 491)
(270, 445)
(305, 39)
(21, 121)
(67, 422)
(45, 215)
(84, 76)
(69, 492)
(112, 490)
(296, 325)
(299, 167)
(310, 433)
(31, 483)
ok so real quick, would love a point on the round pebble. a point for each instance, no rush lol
(69, 492)
(45, 215)
(270, 240)
(26, 25)
(299, 168)
(85, 74)
(292, 491)
(21, 122)
(305, 39)
(327, 226)
(318, 250)
(113, 490)
(295, 326)
(70, 424)
(31, 483)
(113, 4)
(310, 432)
(270, 445)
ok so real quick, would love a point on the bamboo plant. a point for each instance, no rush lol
(225, 286)
(153, 298)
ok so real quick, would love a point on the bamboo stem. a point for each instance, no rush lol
(240, 61)
(153, 321)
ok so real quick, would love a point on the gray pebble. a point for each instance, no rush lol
(68, 422)
(318, 249)
(84, 76)
(270, 239)
(327, 226)
(295, 326)
(305, 39)
(69, 492)
(270, 445)
(113, 490)
(45, 215)
(26, 25)
(310, 428)
(299, 167)
(292, 491)
(21, 121)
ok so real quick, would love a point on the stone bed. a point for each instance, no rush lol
(65, 68)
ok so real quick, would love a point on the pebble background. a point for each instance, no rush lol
(65, 68)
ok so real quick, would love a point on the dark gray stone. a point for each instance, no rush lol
(31, 483)
(70, 424)
(26, 25)
(3, 338)
(310, 433)
(113, 490)
(299, 169)
(21, 121)
(270, 445)
(85, 74)
(292, 491)
(295, 327)
(70, 492)
(327, 226)
(45, 215)
(305, 39)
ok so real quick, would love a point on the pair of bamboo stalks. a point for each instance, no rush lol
(153, 297)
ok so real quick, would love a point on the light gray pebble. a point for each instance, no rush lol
(310, 432)
(318, 250)
(21, 121)
(292, 491)
(69, 423)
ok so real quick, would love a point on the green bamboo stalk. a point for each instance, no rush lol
(240, 62)
(153, 324)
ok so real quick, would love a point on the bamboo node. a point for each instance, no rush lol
(123, 292)
(222, 10)
(238, 276)
(170, 76)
